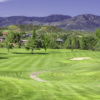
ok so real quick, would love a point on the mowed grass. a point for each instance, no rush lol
(67, 80)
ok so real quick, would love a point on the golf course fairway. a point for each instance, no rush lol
(65, 79)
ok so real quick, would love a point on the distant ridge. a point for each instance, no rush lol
(85, 22)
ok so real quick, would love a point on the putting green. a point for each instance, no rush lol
(67, 79)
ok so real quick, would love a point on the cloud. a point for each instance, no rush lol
(3, 0)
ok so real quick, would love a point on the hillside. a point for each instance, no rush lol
(82, 22)
(45, 30)
(39, 28)
(86, 22)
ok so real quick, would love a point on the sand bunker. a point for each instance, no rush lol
(81, 58)
(35, 74)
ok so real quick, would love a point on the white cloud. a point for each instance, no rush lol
(3, 0)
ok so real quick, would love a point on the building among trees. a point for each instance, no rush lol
(2, 38)
(60, 41)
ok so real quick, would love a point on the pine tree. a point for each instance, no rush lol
(31, 44)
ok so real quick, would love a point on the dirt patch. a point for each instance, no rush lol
(35, 74)
(81, 58)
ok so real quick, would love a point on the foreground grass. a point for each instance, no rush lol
(68, 80)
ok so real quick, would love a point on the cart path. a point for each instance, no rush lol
(35, 74)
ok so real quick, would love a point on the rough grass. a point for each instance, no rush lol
(68, 80)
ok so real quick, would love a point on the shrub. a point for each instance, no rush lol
(2, 45)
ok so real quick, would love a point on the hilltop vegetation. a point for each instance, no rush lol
(44, 29)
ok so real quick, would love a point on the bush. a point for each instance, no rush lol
(2, 45)
(16, 46)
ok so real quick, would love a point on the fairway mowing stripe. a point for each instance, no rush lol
(13, 66)
(7, 88)
(42, 61)
(96, 55)
(48, 94)
(22, 63)
(85, 93)
(64, 55)
(61, 55)
(46, 62)
(58, 56)
(16, 88)
(35, 64)
(9, 67)
(77, 94)
(28, 64)
(32, 62)
(88, 92)
(7, 62)
(88, 54)
(69, 55)
(92, 90)
(64, 92)
(80, 54)
(63, 89)
(3, 60)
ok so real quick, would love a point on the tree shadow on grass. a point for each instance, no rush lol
(29, 53)
(3, 53)
(3, 57)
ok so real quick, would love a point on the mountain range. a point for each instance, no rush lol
(86, 22)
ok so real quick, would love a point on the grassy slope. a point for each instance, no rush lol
(46, 29)
(68, 80)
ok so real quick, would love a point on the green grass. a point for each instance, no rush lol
(68, 80)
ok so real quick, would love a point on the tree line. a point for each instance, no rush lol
(33, 42)
(89, 42)
(84, 43)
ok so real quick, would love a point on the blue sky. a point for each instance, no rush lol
(48, 7)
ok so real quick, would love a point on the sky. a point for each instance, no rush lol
(42, 8)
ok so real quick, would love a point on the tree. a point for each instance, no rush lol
(45, 42)
(0, 33)
(34, 34)
(67, 43)
(31, 44)
(76, 42)
(17, 39)
(97, 37)
(82, 43)
(72, 44)
(52, 41)
(9, 41)
(91, 43)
